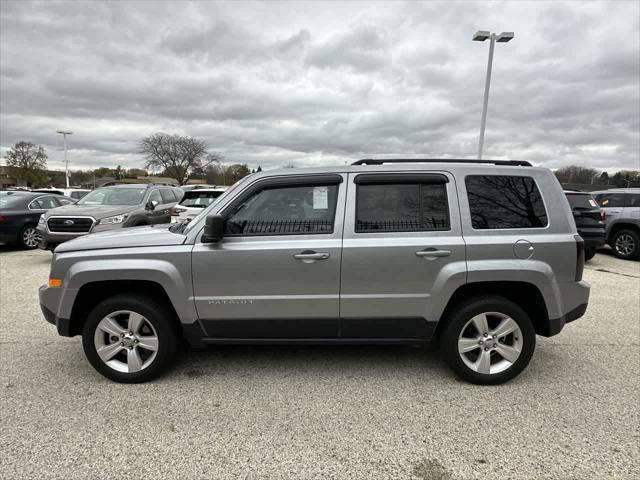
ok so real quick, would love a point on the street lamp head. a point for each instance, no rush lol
(504, 37)
(64, 132)
(481, 36)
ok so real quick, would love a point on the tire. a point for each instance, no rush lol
(626, 244)
(28, 238)
(589, 253)
(470, 366)
(128, 360)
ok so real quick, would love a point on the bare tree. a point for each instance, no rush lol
(28, 162)
(177, 156)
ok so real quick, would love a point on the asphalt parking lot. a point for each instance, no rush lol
(322, 412)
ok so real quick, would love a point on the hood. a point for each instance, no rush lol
(95, 211)
(152, 236)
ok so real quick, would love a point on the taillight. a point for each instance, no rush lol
(3, 218)
(603, 215)
(579, 257)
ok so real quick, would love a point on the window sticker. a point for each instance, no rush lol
(593, 203)
(320, 198)
(605, 202)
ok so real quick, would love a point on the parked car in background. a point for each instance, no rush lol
(622, 220)
(76, 193)
(195, 200)
(188, 188)
(108, 208)
(589, 220)
(474, 257)
(20, 212)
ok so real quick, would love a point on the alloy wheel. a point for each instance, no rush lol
(30, 237)
(490, 343)
(126, 341)
(625, 244)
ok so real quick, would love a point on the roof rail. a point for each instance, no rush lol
(162, 183)
(371, 161)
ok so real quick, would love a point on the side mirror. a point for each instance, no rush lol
(213, 229)
(151, 205)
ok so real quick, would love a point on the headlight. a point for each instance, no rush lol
(41, 220)
(113, 220)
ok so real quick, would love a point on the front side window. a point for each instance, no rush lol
(308, 209)
(44, 203)
(167, 196)
(155, 196)
(113, 196)
(401, 208)
(502, 201)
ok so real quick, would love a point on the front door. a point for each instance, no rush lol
(276, 272)
(402, 237)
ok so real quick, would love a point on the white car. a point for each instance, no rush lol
(194, 201)
(75, 193)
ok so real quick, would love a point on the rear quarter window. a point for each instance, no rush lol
(505, 202)
(581, 200)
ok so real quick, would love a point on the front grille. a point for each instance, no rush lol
(70, 224)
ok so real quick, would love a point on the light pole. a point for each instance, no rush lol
(481, 36)
(64, 134)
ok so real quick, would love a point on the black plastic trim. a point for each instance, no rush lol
(272, 328)
(400, 178)
(383, 327)
(313, 341)
(555, 325)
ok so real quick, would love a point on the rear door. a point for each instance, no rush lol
(402, 230)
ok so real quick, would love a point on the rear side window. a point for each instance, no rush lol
(167, 196)
(502, 201)
(608, 200)
(634, 200)
(407, 207)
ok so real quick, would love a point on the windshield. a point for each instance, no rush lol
(199, 199)
(581, 200)
(114, 196)
(206, 211)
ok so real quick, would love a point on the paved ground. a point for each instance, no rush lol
(313, 412)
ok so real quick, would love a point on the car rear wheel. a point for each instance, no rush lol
(488, 340)
(626, 244)
(589, 253)
(29, 237)
(129, 338)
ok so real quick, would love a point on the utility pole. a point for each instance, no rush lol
(481, 36)
(64, 134)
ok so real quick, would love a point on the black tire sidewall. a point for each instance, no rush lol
(153, 311)
(589, 253)
(636, 239)
(459, 318)
(20, 240)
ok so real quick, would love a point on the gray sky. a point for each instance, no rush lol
(324, 82)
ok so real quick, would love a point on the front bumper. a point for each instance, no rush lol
(50, 240)
(63, 325)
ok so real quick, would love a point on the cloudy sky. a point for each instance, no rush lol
(321, 83)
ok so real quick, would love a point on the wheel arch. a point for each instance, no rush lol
(622, 225)
(525, 294)
(92, 293)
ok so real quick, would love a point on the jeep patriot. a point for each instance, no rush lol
(477, 257)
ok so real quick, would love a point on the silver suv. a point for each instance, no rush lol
(108, 208)
(621, 207)
(476, 256)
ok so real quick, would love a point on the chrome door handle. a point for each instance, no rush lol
(310, 256)
(432, 253)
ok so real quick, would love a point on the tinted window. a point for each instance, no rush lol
(286, 211)
(401, 208)
(9, 199)
(609, 200)
(581, 200)
(500, 201)
(167, 196)
(633, 200)
(195, 198)
(77, 195)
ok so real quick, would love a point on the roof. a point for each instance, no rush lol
(619, 190)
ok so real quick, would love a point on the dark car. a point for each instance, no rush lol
(589, 219)
(109, 208)
(20, 212)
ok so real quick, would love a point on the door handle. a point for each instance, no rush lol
(431, 253)
(309, 256)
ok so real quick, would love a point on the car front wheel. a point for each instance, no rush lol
(29, 238)
(488, 340)
(129, 338)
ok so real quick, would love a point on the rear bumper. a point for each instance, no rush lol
(593, 237)
(555, 325)
(575, 296)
